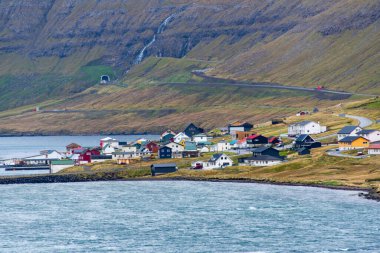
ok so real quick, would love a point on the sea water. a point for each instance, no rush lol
(185, 217)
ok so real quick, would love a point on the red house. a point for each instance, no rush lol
(152, 147)
(85, 155)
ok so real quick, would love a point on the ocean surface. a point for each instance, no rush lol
(185, 217)
(19, 147)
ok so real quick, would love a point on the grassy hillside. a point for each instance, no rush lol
(142, 102)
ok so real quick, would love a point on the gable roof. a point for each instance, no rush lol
(347, 129)
(351, 139)
(73, 145)
(240, 124)
(303, 137)
(253, 136)
(215, 157)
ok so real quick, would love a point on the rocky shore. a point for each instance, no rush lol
(366, 193)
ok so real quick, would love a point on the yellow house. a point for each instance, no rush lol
(353, 142)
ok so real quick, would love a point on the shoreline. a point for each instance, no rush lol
(367, 193)
(55, 134)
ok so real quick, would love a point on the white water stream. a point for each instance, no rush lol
(161, 28)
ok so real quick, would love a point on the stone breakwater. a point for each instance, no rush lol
(62, 178)
(371, 194)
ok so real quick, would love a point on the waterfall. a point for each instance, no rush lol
(160, 29)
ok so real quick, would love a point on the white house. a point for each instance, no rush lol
(176, 147)
(239, 126)
(370, 134)
(306, 127)
(45, 157)
(181, 137)
(221, 146)
(204, 149)
(129, 148)
(374, 149)
(200, 138)
(348, 131)
(262, 161)
(108, 149)
(218, 161)
(110, 141)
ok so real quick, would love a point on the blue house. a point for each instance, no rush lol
(165, 152)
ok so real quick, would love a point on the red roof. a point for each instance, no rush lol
(252, 137)
(272, 139)
(374, 146)
(242, 141)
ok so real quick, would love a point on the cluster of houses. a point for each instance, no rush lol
(354, 138)
(193, 142)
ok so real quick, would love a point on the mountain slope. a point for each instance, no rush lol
(55, 48)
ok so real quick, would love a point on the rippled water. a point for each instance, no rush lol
(185, 217)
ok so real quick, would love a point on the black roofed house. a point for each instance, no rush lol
(192, 130)
(165, 168)
(306, 141)
(257, 140)
(266, 151)
(263, 156)
(239, 126)
(348, 131)
(165, 152)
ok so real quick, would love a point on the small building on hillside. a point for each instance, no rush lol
(263, 156)
(176, 147)
(218, 161)
(370, 134)
(257, 140)
(353, 142)
(306, 141)
(110, 141)
(374, 149)
(239, 126)
(165, 152)
(181, 137)
(274, 140)
(152, 147)
(163, 168)
(306, 127)
(71, 147)
(221, 146)
(239, 135)
(200, 138)
(348, 131)
(167, 136)
(192, 130)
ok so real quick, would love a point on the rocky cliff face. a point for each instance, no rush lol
(121, 28)
(283, 41)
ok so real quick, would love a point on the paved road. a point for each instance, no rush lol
(363, 121)
(334, 152)
(275, 86)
